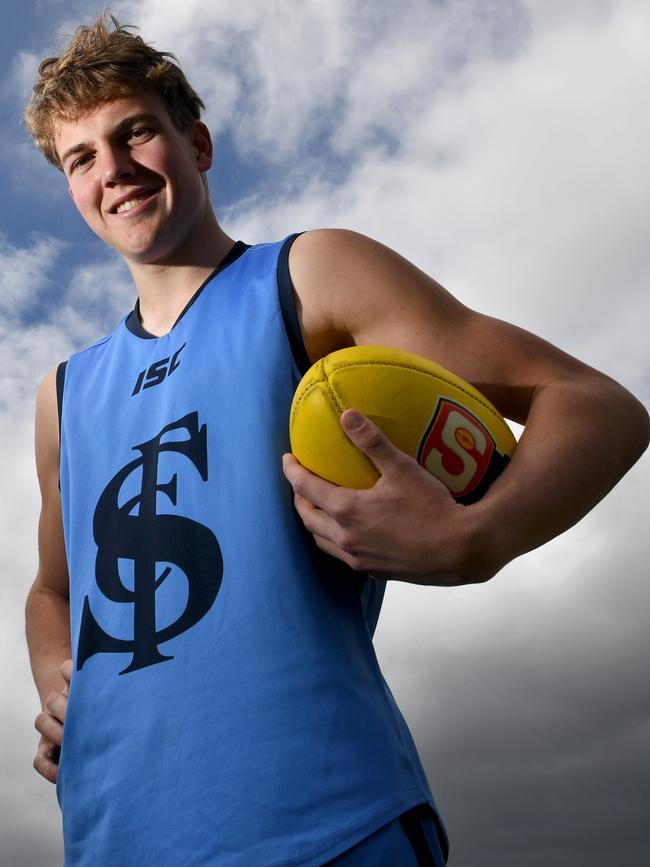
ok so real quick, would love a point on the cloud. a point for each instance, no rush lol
(24, 272)
(287, 76)
(517, 185)
(526, 696)
(22, 74)
(41, 323)
(44, 319)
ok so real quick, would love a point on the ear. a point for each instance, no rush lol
(202, 144)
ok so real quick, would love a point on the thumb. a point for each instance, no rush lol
(370, 439)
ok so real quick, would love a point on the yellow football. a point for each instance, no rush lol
(428, 412)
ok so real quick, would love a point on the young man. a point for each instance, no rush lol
(226, 706)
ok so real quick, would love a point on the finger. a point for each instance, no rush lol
(334, 550)
(316, 520)
(372, 441)
(66, 670)
(49, 727)
(44, 765)
(56, 703)
(308, 485)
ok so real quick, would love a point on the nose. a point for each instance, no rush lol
(116, 165)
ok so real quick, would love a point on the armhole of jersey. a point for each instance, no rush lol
(372, 590)
(288, 308)
(60, 381)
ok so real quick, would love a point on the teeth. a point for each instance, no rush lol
(126, 206)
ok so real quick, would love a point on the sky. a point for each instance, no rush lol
(504, 147)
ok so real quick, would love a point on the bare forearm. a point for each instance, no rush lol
(580, 439)
(47, 623)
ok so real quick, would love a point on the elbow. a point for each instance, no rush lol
(643, 429)
(634, 427)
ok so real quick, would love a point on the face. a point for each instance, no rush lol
(135, 178)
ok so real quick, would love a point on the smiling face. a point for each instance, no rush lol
(136, 179)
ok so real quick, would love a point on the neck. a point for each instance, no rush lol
(166, 286)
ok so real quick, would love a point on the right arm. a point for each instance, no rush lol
(47, 612)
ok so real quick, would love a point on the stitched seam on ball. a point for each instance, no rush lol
(399, 364)
(309, 387)
(339, 405)
(305, 393)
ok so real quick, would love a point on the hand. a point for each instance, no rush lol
(406, 527)
(50, 725)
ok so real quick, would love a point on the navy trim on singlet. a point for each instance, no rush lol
(286, 292)
(287, 306)
(60, 381)
(133, 322)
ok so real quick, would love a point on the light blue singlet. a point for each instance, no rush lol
(226, 706)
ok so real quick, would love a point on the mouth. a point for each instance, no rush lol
(133, 202)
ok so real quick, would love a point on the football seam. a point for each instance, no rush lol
(306, 389)
(339, 406)
(449, 382)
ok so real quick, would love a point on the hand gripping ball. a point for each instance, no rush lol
(428, 412)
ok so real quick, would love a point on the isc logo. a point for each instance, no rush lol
(456, 448)
(156, 372)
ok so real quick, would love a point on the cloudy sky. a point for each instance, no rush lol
(504, 147)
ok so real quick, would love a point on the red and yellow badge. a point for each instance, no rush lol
(456, 447)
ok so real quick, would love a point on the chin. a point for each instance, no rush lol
(148, 251)
(152, 255)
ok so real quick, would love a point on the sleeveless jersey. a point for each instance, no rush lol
(226, 706)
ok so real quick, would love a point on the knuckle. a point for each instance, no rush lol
(307, 520)
(42, 767)
(342, 511)
(346, 542)
(355, 562)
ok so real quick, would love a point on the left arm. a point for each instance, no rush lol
(583, 430)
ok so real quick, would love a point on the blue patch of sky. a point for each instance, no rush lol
(235, 176)
(27, 27)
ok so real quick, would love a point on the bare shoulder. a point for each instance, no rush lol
(339, 259)
(353, 289)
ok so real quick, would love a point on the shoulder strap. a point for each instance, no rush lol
(60, 381)
(286, 293)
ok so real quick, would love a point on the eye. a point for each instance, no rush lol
(140, 133)
(81, 162)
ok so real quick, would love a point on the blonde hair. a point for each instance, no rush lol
(104, 61)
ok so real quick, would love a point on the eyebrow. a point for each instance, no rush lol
(122, 126)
